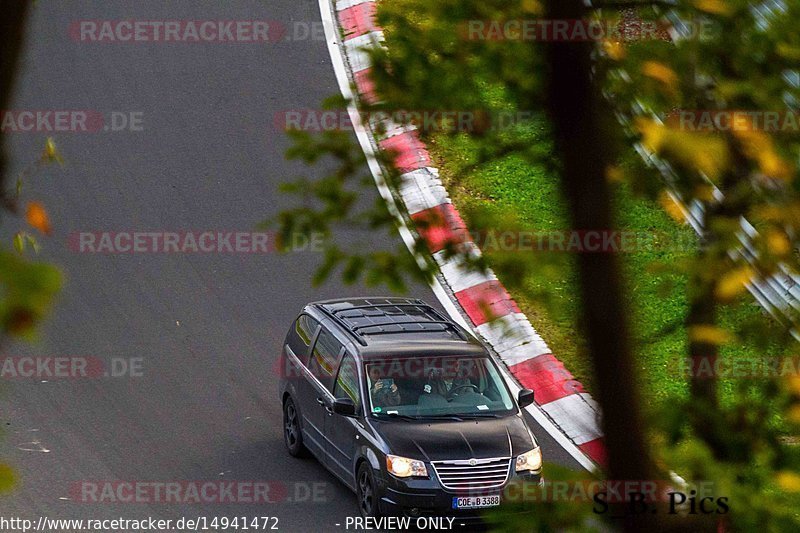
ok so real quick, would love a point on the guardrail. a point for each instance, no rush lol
(778, 294)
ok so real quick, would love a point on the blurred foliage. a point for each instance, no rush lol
(335, 202)
(7, 478)
(27, 288)
(539, 510)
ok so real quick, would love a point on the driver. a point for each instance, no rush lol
(461, 382)
(463, 390)
(384, 392)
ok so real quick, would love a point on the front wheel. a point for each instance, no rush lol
(365, 492)
(292, 435)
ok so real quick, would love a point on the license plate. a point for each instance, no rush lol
(475, 502)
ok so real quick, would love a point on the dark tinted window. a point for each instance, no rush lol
(431, 386)
(305, 328)
(301, 336)
(324, 357)
(347, 381)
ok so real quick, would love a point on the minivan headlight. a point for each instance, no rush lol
(530, 461)
(404, 467)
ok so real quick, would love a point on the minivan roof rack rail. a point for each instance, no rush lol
(419, 305)
(345, 325)
(422, 306)
(402, 323)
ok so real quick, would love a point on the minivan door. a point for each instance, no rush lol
(342, 431)
(317, 397)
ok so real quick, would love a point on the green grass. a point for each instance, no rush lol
(656, 288)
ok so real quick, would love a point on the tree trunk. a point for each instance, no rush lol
(12, 29)
(574, 105)
(703, 304)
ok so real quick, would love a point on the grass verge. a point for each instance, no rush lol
(656, 288)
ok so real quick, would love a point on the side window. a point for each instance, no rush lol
(300, 338)
(347, 381)
(305, 328)
(324, 358)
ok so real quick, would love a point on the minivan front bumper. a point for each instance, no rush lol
(426, 497)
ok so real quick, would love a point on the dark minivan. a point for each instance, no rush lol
(405, 407)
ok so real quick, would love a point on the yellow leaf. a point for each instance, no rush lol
(661, 72)
(532, 6)
(704, 153)
(769, 213)
(709, 334)
(788, 481)
(717, 7)
(615, 174)
(51, 153)
(778, 243)
(672, 208)
(794, 385)
(774, 166)
(614, 49)
(652, 132)
(759, 147)
(788, 51)
(793, 415)
(7, 478)
(733, 283)
(704, 192)
(36, 215)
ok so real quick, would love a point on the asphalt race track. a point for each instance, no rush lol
(205, 328)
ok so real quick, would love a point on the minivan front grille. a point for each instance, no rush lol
(472, 474)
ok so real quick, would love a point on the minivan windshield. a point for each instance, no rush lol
(430, 387)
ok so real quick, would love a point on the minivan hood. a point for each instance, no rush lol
(453, 440)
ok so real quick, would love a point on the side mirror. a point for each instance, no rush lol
(344, 407)
(525, 397)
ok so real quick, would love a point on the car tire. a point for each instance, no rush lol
(292, 436)
(366, 492)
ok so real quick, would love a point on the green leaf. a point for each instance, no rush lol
(19, 243)
(7, 478)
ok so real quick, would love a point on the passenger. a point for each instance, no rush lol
(384, 392)
(434, 393)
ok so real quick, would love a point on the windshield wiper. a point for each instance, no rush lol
(442, 417)
(398, 415)
(420, 417)
(459, 417)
